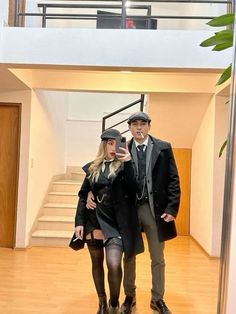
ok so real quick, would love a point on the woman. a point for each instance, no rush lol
(113, 226)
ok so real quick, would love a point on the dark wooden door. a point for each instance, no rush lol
(9, 161)
(183, 162)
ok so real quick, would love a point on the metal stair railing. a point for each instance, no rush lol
(112, 114)
(110, 4)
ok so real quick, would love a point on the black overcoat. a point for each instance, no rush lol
(123, 189)
(165, 186)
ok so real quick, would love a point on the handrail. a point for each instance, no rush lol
(104, 119)
(121, 5)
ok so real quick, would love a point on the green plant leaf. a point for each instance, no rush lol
(225, 75)
(222, 46)
(222, 148)
(223, 20)
(225, 31)
(219, 38)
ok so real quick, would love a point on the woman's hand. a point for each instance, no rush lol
(79, 232)
(124, 156)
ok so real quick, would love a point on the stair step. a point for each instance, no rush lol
(65, 197)
(56, 222)
(56, 218)
(63, 193)
(68, 182)
(56, 225)
(78, 175)
(52, 234)
(51, 238)
(60, 205)
(59, 209)
(66, 186)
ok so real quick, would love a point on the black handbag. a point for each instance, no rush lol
(76, 244)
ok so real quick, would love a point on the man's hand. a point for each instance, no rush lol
(90, 204)
(167, 217)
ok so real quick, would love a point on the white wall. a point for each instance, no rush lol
(4, 8)
(93, 106)
(207, 181)
(23, 97)
(47, 147)
(116, 48)
(201, 204)
(42, 151)
(176, 116)
(221, 127)
(84, 123)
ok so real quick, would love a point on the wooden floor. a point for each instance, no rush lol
(58, 281)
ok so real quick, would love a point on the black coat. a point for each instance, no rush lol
(123, 197)
(165, 186)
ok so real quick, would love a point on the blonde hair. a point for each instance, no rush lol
(96, 167)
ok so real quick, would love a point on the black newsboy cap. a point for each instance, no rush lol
(139, 116)
(110, 134)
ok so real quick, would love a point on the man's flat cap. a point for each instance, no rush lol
(139, 116)
(110, 134)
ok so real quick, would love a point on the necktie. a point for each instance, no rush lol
(141, 148)
(106, 168)
(141, 153)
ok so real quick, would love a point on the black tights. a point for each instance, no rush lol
(113, 261)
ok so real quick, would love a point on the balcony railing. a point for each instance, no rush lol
(120, 15)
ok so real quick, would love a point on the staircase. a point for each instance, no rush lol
(55, 225)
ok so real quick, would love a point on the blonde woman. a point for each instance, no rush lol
(112, 228)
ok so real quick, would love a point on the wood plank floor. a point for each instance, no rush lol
(58, 281)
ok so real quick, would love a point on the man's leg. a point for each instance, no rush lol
(129, 285)
(156, 250)
(129, 275)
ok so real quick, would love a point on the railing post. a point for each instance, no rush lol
(16, 13)
(142, 102)
(103, 123)
(123, 14)
(44, 16)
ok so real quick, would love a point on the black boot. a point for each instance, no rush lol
(102, 309)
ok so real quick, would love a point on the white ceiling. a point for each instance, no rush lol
(194, 88)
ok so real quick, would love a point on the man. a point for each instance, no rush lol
(157, 204)
(158, 199)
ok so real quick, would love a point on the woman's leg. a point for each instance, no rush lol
(114, 251)
(96, 252)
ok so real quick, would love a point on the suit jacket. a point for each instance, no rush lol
(162, 184)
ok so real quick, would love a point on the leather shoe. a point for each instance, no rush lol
(113, 310)
(160, 307)
(102, 309)
(129, 303)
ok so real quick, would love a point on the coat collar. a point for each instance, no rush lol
(86, 170)
(154, 147)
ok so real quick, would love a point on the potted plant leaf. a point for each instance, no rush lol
(221, 40)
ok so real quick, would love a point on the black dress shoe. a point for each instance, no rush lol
(160, 307)
(129, 303)
(114, 310)
(102, 309)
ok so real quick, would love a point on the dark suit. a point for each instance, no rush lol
(163, 189)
